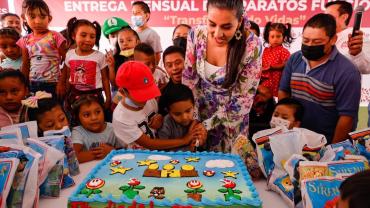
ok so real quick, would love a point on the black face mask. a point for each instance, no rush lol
(313, 53)
(180, 42)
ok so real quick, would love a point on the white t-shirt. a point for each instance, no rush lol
(129, 125)
(85, 71)
(362, 60)
(151, 37)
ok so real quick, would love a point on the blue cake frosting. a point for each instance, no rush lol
(211, 197)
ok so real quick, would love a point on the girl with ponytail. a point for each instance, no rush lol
(87, 70)
(274, 57)
(42, 49)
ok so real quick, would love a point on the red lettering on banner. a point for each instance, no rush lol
(169, 13)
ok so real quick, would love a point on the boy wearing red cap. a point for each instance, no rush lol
(134, 117)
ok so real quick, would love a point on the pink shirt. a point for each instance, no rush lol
(44, 55)
(7, 118)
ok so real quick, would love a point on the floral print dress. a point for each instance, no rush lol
(224, 112)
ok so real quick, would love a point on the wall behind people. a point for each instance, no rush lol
(167, 14)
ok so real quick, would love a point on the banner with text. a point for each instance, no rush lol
(4, 7)
(166, 14)
(169, 13)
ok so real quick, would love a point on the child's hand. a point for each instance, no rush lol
(156, 121)
(202, 135)
(109, 59)
(193, 133)
(102, 151)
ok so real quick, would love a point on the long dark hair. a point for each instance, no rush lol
(74, 23)
(285, 29)
(29, 5)
(236, 48)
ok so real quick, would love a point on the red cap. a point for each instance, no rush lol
(138, 80)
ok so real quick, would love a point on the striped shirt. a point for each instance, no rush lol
(327, 91)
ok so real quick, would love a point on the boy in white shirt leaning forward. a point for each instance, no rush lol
(135, 118)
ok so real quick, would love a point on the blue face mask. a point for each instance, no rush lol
(131, 103)
(137, 21)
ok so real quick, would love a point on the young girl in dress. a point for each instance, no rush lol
(94, 138)
(42, 49)
(10, 49)
(87, 70)
(275, 55)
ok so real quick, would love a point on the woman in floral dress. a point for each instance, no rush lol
(223, 69)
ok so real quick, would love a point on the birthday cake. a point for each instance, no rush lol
(142, 178)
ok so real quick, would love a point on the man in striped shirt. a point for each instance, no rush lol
(326, 83)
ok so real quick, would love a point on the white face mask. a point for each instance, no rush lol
(131, 103)
(279, 122)
(137, 21)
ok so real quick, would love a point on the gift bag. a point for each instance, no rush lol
(73, 165)
(319, 191)
(53, 182)
(59, 176)
(361, 140)
(11, 136)
(263, 149)
(8, 167)
(24, 192)
(294, 142)
(27, 129)
(339, 151)
(285, 187)
(291, 167)
(49, 157)
(282, 146)
(346, 167)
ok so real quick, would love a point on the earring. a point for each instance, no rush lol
(238, 35)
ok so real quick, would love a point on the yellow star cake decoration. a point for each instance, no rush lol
(230, 174)
(119, 169)
(146, 162)
(192, 159)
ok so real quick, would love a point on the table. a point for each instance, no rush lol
(269, 199)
